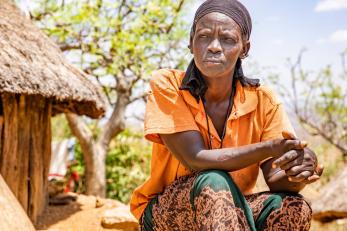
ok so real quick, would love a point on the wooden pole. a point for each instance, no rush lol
(39, 155)
(9, 161)
(23, 151)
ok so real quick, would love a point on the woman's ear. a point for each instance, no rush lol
(190, 46)
(245, 50)
(191, 37)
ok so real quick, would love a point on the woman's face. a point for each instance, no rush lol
(217, 44)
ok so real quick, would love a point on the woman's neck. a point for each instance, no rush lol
(219, 89)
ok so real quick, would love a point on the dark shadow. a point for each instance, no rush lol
(55, 213)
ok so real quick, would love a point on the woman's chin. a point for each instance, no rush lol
(212, 71)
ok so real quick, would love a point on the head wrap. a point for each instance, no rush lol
(193, 80)
(232, 8)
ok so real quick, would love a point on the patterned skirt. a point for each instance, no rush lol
(210, 200)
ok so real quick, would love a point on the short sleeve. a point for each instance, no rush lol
(166, 110)
(276, 121)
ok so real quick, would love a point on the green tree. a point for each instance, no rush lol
(119, 43)
(319, 101)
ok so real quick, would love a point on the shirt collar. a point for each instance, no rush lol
(245, 100)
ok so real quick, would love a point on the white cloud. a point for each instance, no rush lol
(338, 36)
(331, 5)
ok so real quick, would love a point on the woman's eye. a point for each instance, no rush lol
(203, 36)
(228, 39)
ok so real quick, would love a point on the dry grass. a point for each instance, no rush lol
(31, 64)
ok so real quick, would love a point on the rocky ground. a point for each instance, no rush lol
(88, 214)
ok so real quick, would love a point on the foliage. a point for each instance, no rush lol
(118, 42)
(127, 165)
(60, 128)
(319, 101)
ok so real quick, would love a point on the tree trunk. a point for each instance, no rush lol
(96, 172)
(93, 154)
(94, 151)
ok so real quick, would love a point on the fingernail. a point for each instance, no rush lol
(303, 144)
(289, 178)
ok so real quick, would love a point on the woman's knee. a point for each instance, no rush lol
(214, 179)
(296, 204)
(294, 214)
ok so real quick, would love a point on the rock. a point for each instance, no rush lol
(99, 202)
(55, 187)
(119, 218)
(62, 199)
(332, 203)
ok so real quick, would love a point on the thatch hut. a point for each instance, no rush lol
(36, 82)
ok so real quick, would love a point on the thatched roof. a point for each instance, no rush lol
(332, 203)
(30, 63)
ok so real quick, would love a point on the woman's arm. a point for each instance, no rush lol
(189, 148)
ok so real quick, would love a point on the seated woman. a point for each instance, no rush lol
(212, 129)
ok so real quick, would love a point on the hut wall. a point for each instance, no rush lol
(26, 149)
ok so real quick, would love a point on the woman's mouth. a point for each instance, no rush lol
(213, 61)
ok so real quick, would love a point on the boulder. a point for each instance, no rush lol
(332, 203)
(119, 218)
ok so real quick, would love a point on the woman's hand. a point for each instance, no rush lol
(300, 168)
(299, 165)
(280, 148)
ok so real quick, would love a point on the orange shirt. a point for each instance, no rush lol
(256, 116)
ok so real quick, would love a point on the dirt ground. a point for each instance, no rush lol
(79, 215)
(82, 215)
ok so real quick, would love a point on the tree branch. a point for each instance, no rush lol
(116, 122)
(79, 128)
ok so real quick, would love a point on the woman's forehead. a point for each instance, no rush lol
(215, 18)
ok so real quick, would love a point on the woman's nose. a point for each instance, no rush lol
(215, 46)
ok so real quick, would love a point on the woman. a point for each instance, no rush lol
(212, 130)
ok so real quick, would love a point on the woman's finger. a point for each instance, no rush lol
(298, 169)
(298, 161)
(319, 169)
(288, 135)
(286, 158)
(300, 177)
(312, 178)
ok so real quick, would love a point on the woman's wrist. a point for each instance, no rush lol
(272, 148)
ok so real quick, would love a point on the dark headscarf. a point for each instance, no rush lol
(193, 80)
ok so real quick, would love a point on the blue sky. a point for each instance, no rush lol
(281, 28)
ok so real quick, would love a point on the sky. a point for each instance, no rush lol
(282, 28)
